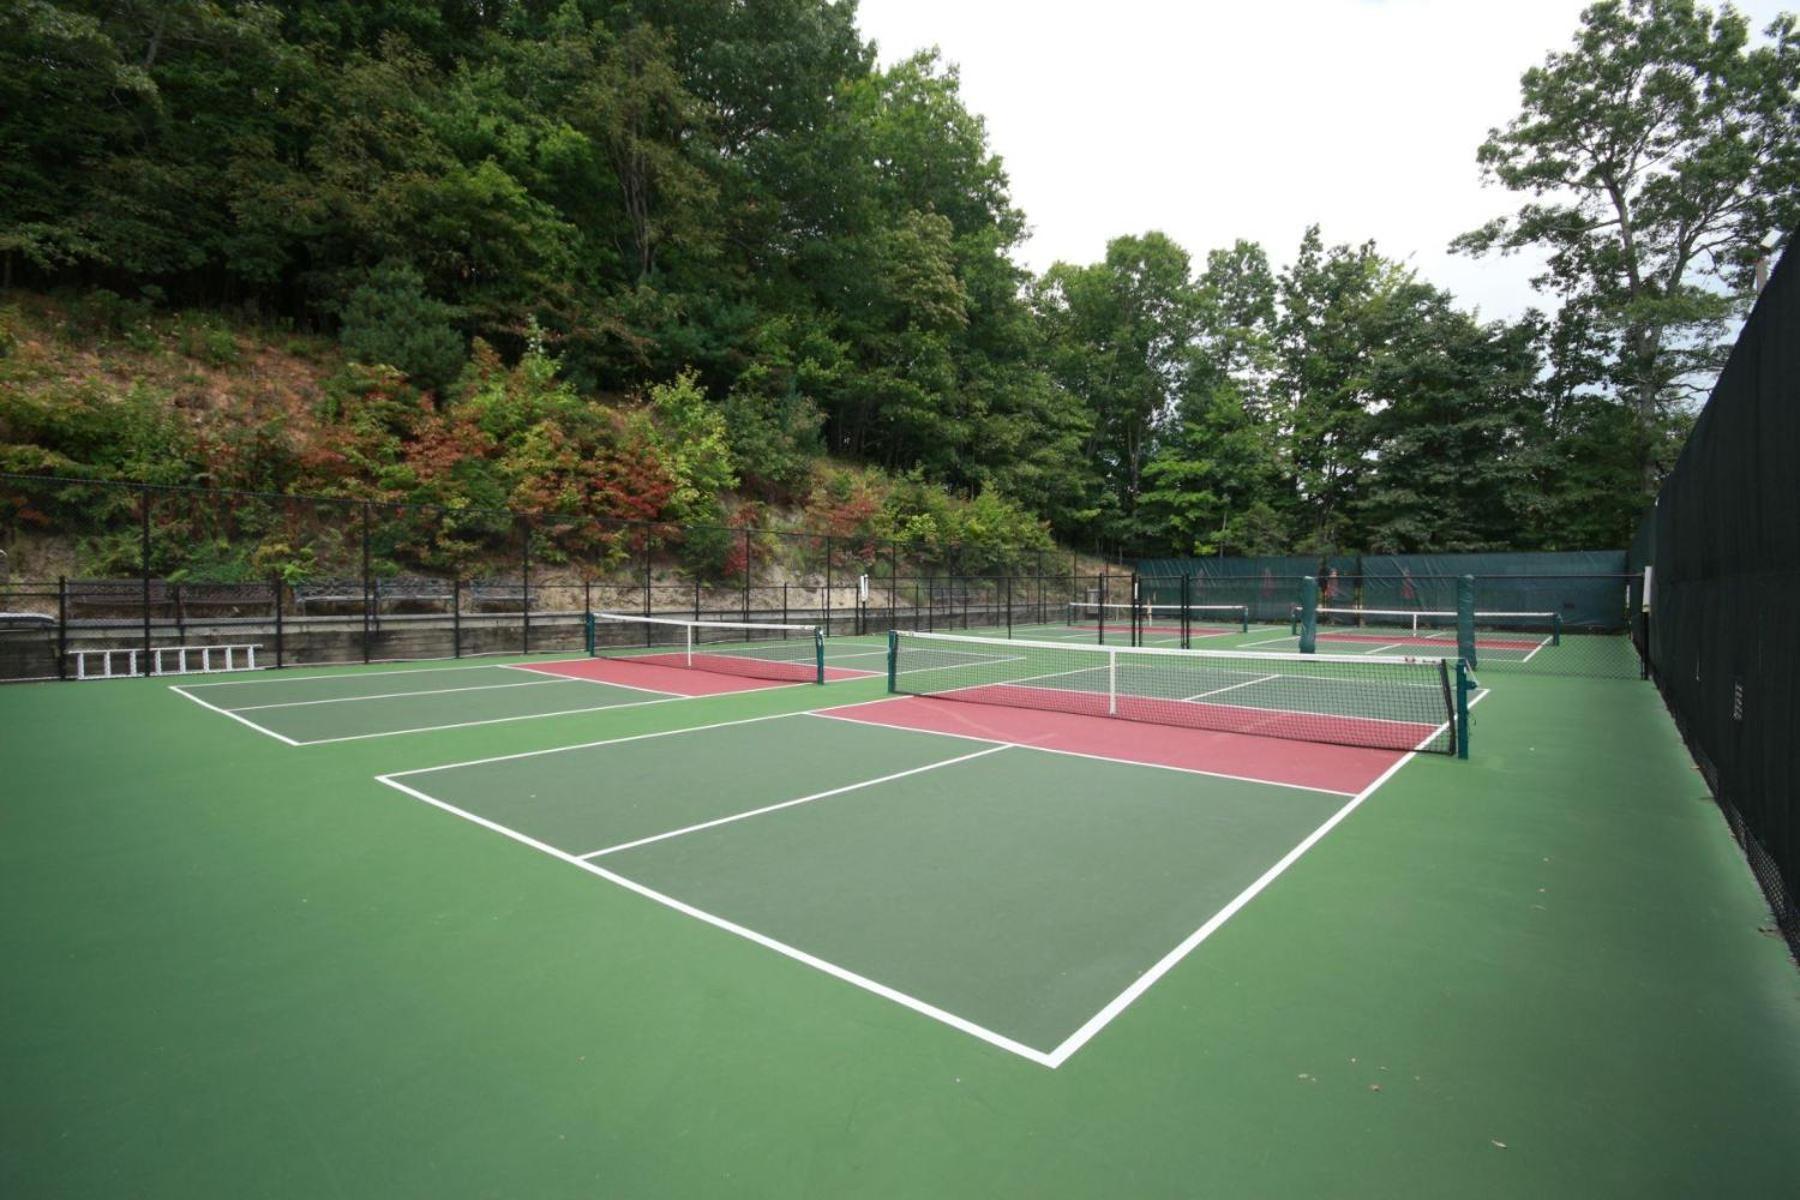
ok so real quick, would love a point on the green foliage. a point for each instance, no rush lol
(773, 439)
(391, 320)
(1661, 157)
(733, 213)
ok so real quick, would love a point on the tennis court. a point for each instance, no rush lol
(1009, 911)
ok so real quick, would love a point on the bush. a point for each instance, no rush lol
(202, 337)
(391, 320)
(774, 440)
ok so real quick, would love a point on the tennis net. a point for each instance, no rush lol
(794, 653)
(1160, 618)
(1385, 702)
(1505, 633)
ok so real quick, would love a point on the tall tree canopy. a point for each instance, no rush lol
(734, 199)
(1662, 155)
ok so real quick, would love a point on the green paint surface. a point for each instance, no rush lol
(1021, 890)
(234, 967)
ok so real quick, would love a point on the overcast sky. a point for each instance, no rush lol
(1214, 121)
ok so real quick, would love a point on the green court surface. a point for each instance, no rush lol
(484, 936)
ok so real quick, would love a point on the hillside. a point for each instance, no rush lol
(96, 388)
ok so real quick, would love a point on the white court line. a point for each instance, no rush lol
(480, 687)
(543, 669)
(769, 808)
(1054, 1058)
(1142, 984)
(345, 671)
(635, 737)
(1385, 646)
(1528, 657)
(1287, 637)
(562, 712)
(182, 691)
(831, 715)
(1228, 687)
(944, 1016)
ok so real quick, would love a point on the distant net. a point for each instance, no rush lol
(791, 653)
(1388, 703)
(1511, 636)
(1160, 618)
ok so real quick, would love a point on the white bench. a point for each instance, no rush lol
(188, 660)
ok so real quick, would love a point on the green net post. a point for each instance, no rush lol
(819, 652)
(893, 660)
(1556, 629)
(1464, 685)
(1187, 625)
(1465, 620)
(1309, 615)
(587, 633)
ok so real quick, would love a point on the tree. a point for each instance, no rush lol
(1662, 152)
(1455, 432)
(1321, 396)
(391, 320)
(1213, 482)
(1121, 338)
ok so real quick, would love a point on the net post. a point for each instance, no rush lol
(1112, 683)
(588, 628)
(1556, 629)
(819, 654)
(1465, 619)
(1463, 686)
(1309, 615)
(1187, 627)
(893, 663)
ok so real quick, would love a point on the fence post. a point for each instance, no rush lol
(367, 579)
(828, 585)
(456, 616)
(525, 580)
(893, 586)
(646, 575)
(747, 553)
(144, 556)
(280, 640)
(62, 627)
(696, 597)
